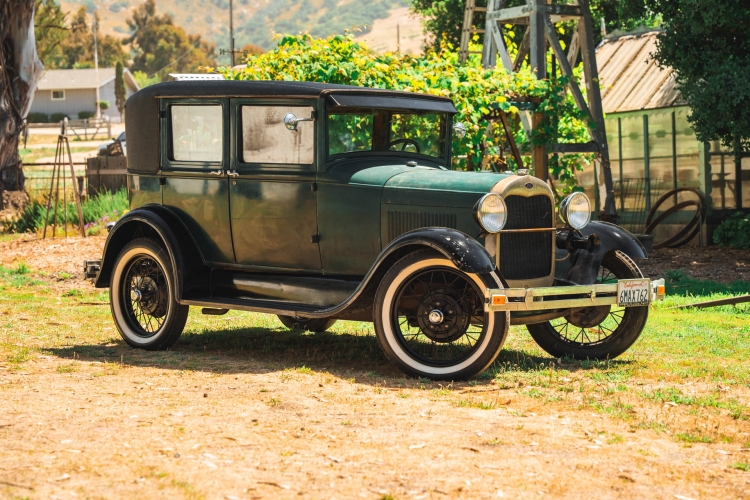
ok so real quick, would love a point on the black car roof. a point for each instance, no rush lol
(142, 108)
(258, 88)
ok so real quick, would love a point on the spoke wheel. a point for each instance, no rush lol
(602, 332)
(592, 325)
(433, 315)
(430, 321)
(145, 291)
(142, 296)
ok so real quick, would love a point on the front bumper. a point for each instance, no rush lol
(568, 297)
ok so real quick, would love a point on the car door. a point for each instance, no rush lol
(194, 147)
(273, 195)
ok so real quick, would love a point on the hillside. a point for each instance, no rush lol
(255, 21)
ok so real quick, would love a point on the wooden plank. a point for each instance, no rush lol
(523, 50)
(585, 147)
(740, 299)
(572, 85)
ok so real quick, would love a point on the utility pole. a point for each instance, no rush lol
(231, 33)
(96, 71)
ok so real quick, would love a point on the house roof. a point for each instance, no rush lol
(631, 79)
(69, 79)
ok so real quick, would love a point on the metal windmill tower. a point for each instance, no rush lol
(540, 17)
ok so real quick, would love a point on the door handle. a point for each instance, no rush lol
(233, 173)
(218, 172)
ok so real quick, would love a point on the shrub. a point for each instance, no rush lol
(82, 115)
(474, 90)
(37, 118)
(57, 117)
(734, 231)
(103, 105)
(97, 211)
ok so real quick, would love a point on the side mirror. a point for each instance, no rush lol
(291, 121)
(459, 129)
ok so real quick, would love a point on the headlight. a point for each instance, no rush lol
(575, 210)
(491, 212)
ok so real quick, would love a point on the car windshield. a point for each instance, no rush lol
(356, 130)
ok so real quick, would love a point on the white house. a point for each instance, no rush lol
(71, 91)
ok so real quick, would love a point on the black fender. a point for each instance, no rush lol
(464, 251)
(156, 221)
(582, 266)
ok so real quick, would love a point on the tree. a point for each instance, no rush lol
(78, 46)
(120, 93)
(50, 29)
(707, 42)
(20, 69)
(162, 47)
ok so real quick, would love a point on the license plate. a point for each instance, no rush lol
(632, 293)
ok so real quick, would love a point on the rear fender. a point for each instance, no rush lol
(582, 267)
(154, 221)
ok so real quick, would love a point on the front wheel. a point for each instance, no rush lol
(602, 332)
(142, 297)
(430, 320)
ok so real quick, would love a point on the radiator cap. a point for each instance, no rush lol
(523, 171)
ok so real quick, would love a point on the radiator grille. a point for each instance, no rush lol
(400, 222)
(528, 212)
(527, 255)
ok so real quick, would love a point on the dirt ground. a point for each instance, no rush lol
(724, 265)
(84, 416)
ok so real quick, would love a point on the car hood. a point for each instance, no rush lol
(439, 188)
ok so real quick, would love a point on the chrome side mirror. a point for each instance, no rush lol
(291, 121)
(459, 129)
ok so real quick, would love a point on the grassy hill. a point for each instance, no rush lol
(255, 21)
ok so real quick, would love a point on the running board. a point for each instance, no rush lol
(261, 306)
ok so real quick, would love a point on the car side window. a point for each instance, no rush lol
(197, 133)
(266, 139)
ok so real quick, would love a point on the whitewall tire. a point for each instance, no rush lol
(142, 296)
(430, 321)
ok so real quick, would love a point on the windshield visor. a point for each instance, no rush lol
(352, 131)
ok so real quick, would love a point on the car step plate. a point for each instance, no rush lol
(635, 292)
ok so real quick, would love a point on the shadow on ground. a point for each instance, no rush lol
(260, 350)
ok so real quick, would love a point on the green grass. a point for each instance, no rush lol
(96, 211)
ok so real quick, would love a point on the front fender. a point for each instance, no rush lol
(464, 251)
(582, 267)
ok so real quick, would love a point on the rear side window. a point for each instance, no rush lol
(197, 133)
(265, 138)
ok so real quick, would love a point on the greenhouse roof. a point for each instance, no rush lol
(631, 78)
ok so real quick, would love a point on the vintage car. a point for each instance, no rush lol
(320, 202)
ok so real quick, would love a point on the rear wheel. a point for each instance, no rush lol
(142, 297)
(602, 332)
(307, 324)
(430, 319)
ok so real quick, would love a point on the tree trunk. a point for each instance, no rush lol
(20, 68)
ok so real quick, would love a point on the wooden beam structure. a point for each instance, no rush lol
(540, 17)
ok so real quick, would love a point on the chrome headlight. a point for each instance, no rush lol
(575, 210)
(491, 212)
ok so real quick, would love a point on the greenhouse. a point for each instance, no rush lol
(653, 148)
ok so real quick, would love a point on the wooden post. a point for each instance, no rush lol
(539, 152)
(593, 93)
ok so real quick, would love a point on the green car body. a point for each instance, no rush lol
(304, 216)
